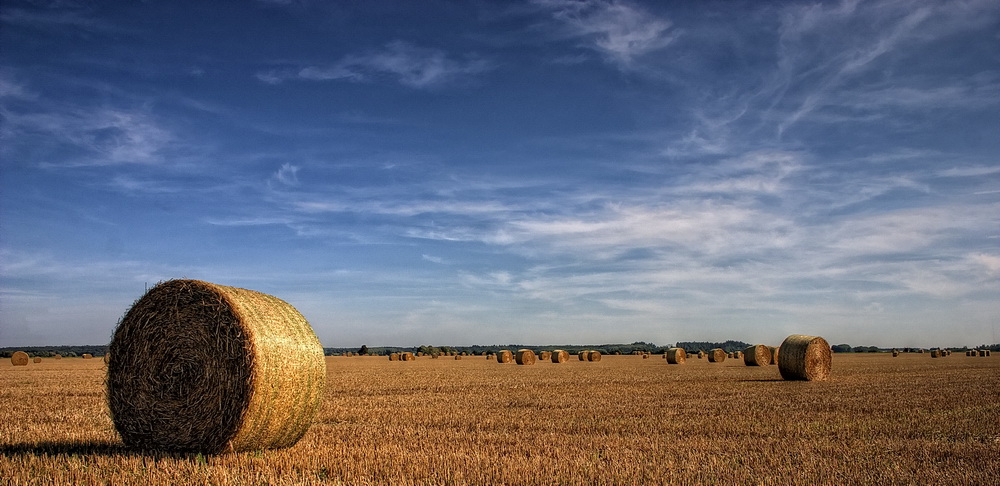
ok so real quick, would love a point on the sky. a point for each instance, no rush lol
(538, 172)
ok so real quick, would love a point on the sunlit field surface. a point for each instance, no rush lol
(623, 420)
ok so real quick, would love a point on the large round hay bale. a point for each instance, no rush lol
(393, 356)
(87, 356)
(545, 355)
(504, 356)
(19, 358)
(803, 357)
(37, 359)
(560, 356)
(716, 355)
(676, 356)
(197, 366)
(593, 355)
(525, 357)
(757, 355)
(774, 354)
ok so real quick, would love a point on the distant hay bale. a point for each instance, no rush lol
(37, 359)
(895, 353)
(393, 356)
(645, 356)
(982, 353)
(19, 358)
(935, 353)
(504, 356)
(716, 355)
(582, 355)
(560, 356)
(58, 356)
(701, 354)
(87, 356)
(676, 356)
(987, 353)
(545, 355)
(774, 354)
(407, 356)
(458, 357)
(202, 367)
(593, 355)
(525, 357)
(757, 355)
(804, 357)
(921, 351)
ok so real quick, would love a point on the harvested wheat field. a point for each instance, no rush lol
(877, 420)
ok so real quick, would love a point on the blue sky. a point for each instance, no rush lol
(545, 171)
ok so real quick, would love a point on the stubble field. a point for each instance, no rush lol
(623, 420)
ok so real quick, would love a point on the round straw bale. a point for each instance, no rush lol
(545, 355)
(202, 367)
(504, 356)
(676, 356)
(895, 353)
(935, 353)
(393, 356)
(19, 358)
(774, 354)
(593, 355)
(88, 356)
(560, 356)
(458, 357)
(525, 357)
(58, 356)
(716, 355)
(645, 356)
(757, 355)
(37, 359)
(804, 358)
(582, 355)
(408, 356)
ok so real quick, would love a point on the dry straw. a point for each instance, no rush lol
(19, 358)
(757, 355)
(504, 356)
(774, 354)
(458, 357)
(407, 356)
(804, 358)
(935, 353)
(560, 356)
(545, 355)
(716, 355)
(197, 366)
(525, 357)
(88, 356)
(593, 355)
(676, 356)
(393, 356)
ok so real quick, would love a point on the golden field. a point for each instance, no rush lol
(623, 420)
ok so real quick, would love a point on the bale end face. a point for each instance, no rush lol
(19, 358)
(593, 355)
(560, 356)
(504, 356)
(802, 357)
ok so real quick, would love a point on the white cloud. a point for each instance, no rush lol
(410, 65)
(621, 31)
(288, 174)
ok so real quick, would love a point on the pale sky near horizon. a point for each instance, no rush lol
(551, 171)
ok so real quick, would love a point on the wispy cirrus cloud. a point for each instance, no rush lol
(620, 31)
(410, 65)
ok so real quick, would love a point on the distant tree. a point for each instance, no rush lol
(841, 348)
(364, 350)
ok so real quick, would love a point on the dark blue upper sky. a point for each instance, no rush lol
(508, 172)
